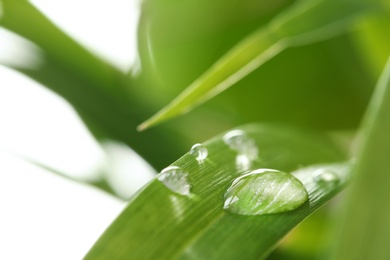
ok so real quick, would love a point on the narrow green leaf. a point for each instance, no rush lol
(366, 227)
(169, 223)
(306, 22)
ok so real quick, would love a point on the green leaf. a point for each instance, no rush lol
(175, 48)
(304, 23)
(372, 40)
(161, 224)
(100, 93)
(366, 227)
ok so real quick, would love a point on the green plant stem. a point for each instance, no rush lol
(365, 233)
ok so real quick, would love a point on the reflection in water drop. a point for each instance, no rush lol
(246, 148)
(199, 152)
(229, 201)
(175, 179)
(323, 176)
(264, 191)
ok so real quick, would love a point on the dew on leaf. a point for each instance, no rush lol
(199, 151)
(325, 177)
(235, 139)
(175, 179)
(245, 147)
(264, 191)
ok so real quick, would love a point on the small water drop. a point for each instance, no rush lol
(175, 179)
(200, 152)
(324, 176)
(245, 147)
(235, 139)
(264, 191)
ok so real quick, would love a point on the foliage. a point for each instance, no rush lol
(309, 66)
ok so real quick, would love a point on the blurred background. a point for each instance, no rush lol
(46, 215)
(141, 56)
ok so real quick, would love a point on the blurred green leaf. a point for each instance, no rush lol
(373, 41)
(160, 224)
(100, 93)
(366, 227)
(306, 22)
(178, 41)
(309, 240)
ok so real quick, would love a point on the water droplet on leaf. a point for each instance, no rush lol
(325, 177)
(199, 152)
(235, 139)
(264, 191)
(175, 179)
(245, 146)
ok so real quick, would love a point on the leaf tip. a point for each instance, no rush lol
(156, 119)
(148, 123)
(142, 126)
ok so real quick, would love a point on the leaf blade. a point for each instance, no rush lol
(176, 226)
(366, 224)
(304, 23)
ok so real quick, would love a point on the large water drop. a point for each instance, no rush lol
(200, 152)
(264, 191)
(175, 179)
